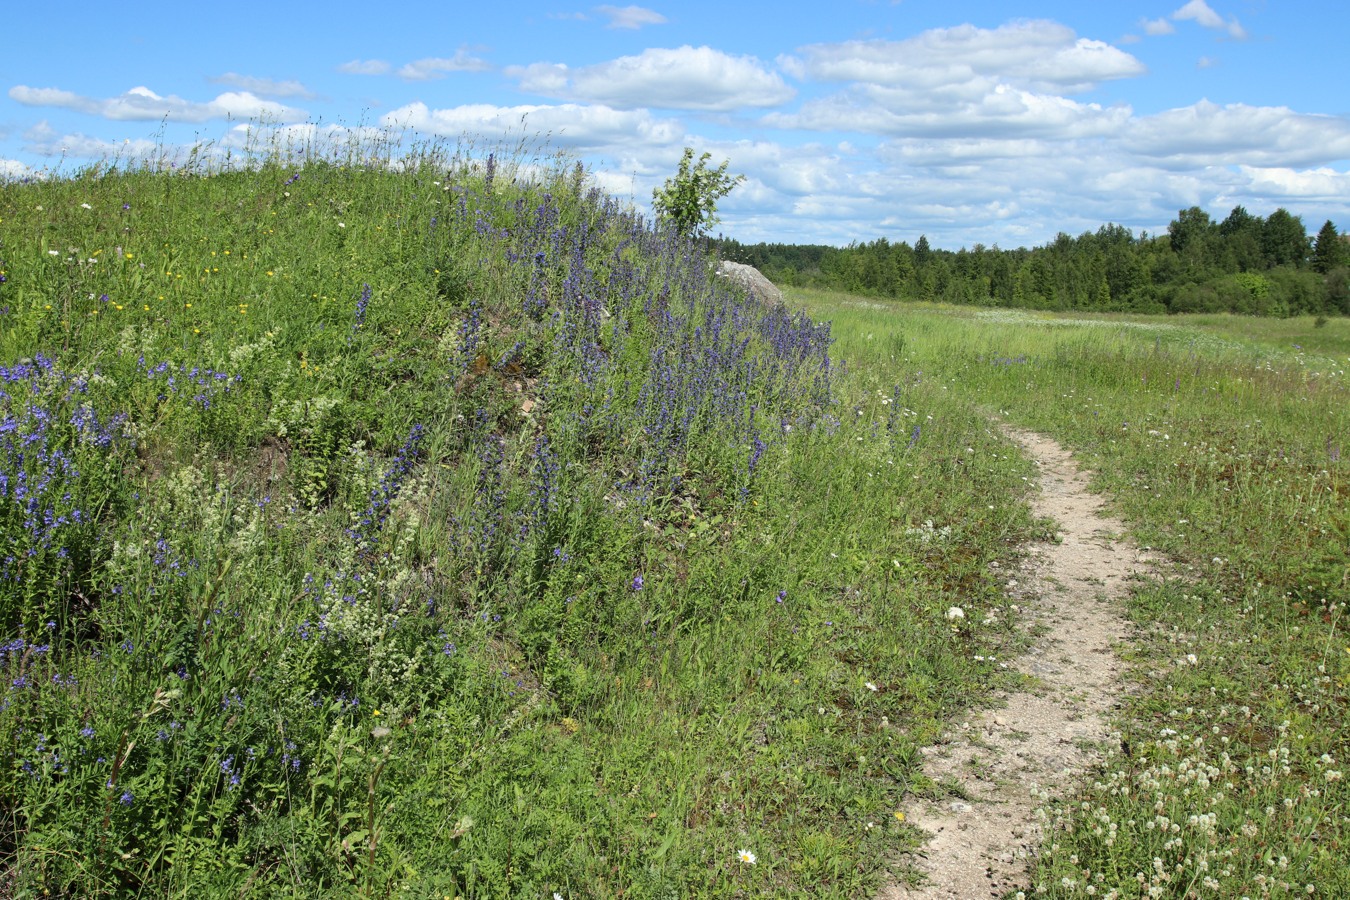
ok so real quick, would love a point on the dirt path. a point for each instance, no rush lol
(1044, 739)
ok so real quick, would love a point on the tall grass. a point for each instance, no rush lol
(438, 528)
(1221, 442)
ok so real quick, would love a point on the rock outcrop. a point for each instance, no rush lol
(754, 282)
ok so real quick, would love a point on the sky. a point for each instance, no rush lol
(994, 123)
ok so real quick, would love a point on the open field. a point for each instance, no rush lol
(1220, 442)
(441, 530)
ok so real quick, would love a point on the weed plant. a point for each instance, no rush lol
(1221, 441)
(433, 526)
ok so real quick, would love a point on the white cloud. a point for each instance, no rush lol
(778, 169)
(967, 59)
(682, 78)
(964, 152)
(980, 195)
(437, 67)
(143, 104)
(51, 97)
(12, 168)
(1013, 191)
(264, 87)
(619, 184)
(963, 191)
(1206, 134)
(569, 125)
(1199, 11)
(43, 140)
(964, 81)
(1279, 184)
(1158, 27)
(549, 79)
(365, 67)
(1001, 163)
(1004, 112)
(1079, 67)
(632, 17)
(40, 130)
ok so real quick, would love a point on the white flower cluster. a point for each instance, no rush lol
(927, 533)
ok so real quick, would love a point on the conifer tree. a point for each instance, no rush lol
(1328, 250)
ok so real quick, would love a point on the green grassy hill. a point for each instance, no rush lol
(437, 528)
(442, 529)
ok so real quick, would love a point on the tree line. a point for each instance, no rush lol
(1243, 264)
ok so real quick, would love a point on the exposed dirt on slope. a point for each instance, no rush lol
(1001, 763)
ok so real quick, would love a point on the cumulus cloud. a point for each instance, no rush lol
(632, 17)
(1158, 27)
(1199, 11)
(43, 140)
(965, 81)
(1012, 190)
(365, 67)
(999, 178)
(964, 191)
(1206, 134)
(143, 104)
(1280, 183)
(966, 152)
(264, 87)
(549, 79)
(570, 125)
(1002, 112)
(1038, 54)
(776, 169)
(685, 77)
(12, 168)
(437, 66)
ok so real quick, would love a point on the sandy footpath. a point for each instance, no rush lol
(1004, 760)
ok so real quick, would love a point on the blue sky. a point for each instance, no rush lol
(969, 122)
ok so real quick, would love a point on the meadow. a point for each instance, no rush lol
(1220, 440)
(428, 524)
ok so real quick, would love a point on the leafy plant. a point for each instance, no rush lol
(687, 201)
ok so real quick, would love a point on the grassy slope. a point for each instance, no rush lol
(436, 532)
(362, 615)
(1222, 443)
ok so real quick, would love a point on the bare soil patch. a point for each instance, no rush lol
(1000, 765)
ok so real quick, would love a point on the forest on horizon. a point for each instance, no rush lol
(1242, 264)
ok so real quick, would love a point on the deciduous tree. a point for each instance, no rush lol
(1284, 241)
(688, 200)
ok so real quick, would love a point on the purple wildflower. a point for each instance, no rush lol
(361, 303)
